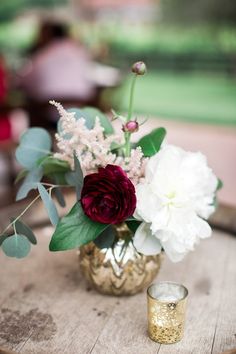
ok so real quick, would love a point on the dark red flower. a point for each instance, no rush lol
(108, 196)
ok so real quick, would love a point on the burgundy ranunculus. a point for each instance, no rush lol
(108, 196)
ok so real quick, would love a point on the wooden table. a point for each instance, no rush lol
(46, 307)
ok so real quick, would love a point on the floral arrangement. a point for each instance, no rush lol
(163, 193)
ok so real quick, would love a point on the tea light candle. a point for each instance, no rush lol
(166, 312)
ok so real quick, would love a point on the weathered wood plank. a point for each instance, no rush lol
(204, 279)
(51, 310)
(202, 272)
(225, 333)
(45, 306)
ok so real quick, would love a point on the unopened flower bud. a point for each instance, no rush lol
(131, 127)
(139, 68)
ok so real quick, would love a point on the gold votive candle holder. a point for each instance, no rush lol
(166, 312)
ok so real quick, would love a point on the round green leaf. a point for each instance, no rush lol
(25, 230)
(30, 182)
(17, 246)
(35, 143)
(2, 238)
(93, 113)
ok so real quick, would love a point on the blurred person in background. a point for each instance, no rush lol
(59, 68)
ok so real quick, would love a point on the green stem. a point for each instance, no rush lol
(131, 99)
(21, 214)
(12, 224)
(127, 147)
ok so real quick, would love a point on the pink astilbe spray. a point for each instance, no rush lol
(134, 165)
(93, 147)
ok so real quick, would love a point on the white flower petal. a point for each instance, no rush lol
(147, 203)
(145, 242)
(178, 190)
(171, 251)
(203, 228)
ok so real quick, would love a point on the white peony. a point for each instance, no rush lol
(176, 196)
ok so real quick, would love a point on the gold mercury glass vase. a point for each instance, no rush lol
(120, 269)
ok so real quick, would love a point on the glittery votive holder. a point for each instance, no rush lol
(166, 312)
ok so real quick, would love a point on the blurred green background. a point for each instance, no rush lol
(189, 47)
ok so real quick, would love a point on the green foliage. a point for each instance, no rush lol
(35, 143)
(106, 238)
(22, 174)
(92, 113)
(17, 246)
(30, 182)
(199, 11)
(11, 8)
(23, 229)
(52, 165)
(220, 184)
(76, 178)
(59, 196)
(133, 225)
(48, 203)
(74, 230)
(2, 238)
(151, 143)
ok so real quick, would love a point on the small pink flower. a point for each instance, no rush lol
(131, 127)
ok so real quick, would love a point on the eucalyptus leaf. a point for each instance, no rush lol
(49, 205)
(57, 191)
(76, 178)
(59, 196)
(151, 143)
(79, 176)
(17, 246)
(22, 174)
(2, 238)
(74, 230)
(80, 113)
(34, 144)
(25, 230)
(59, 177)
(106, 238)
(30, 182)
(105, 122)
(70, 178)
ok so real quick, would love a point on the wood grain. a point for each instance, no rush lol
(46, 307)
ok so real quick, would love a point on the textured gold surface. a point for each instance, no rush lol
(119, 270)
(166, 320)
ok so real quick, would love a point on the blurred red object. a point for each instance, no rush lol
(5, 125)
